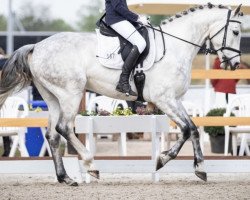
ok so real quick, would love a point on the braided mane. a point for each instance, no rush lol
(193, 9)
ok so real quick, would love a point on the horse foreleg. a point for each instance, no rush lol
(171, 108)
(198, 155)
(177, 113)
(172, 153)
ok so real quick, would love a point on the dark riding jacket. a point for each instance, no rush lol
(117, 10)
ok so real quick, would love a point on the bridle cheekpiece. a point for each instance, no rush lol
(224, 47)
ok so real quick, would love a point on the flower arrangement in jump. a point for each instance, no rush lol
(119, 111)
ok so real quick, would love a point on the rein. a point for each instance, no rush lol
(206, 50)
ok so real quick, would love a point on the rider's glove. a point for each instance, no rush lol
(143, 20)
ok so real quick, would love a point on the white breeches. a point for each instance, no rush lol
(129, 32)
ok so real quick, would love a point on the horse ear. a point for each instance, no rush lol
(237, 10)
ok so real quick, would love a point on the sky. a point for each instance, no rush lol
(65, 9)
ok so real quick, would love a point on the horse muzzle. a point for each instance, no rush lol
(235, 66)
(228, 62)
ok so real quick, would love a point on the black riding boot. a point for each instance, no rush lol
(129, 64)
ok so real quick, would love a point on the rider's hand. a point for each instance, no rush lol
(143, 20)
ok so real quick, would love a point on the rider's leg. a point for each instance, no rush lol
(123, 85)
(129, 32)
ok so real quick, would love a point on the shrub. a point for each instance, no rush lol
(216, 130)
(120, 111)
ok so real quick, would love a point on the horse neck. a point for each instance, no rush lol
(195, 28)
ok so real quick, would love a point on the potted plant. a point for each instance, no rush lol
(217, 133)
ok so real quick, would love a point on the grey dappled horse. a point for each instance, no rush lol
(65, 64)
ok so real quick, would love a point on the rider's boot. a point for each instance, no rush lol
(123, 85)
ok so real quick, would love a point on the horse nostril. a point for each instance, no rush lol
(236, 65)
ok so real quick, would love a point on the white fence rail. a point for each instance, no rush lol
(75, 169)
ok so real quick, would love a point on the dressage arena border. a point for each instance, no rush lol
(127, 164)
(131, 164)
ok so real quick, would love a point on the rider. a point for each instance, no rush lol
(120, 18)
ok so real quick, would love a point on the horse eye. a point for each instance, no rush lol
(236, 33)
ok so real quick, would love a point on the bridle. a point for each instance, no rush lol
(224, 47)
(204, 48)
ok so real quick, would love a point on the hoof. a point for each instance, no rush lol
(94, 173)
(201, 175)
(68, 181)
(73, 183)
(159, 163)
(162, 159)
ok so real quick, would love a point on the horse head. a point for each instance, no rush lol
(225, 36)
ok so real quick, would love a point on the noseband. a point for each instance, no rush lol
(224, 47)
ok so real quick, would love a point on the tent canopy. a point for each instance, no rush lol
(170, 7)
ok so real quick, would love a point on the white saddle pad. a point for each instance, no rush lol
(108, 47)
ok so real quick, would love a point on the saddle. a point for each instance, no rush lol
(126, 46)
(125, 49)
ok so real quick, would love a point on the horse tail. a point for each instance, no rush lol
(16, 73)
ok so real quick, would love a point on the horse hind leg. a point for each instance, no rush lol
(53, 136)
(65, 126)
(173, 109)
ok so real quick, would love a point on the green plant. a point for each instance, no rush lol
(216, 130)
(87, 113)
(123, 112)
(119, 111)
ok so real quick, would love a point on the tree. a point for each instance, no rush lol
(88, 16)
(59, 25)
(3, 23)
(156, 19)
(37, 18)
